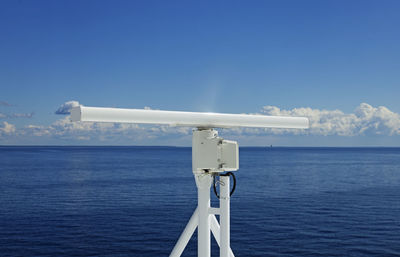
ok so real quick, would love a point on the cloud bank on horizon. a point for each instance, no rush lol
(365, 120)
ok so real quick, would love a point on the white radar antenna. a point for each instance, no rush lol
(211, 156)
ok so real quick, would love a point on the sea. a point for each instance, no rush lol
(136, 201)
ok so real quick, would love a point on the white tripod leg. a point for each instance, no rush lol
(186, 235)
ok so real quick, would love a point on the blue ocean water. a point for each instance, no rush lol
(135, 201)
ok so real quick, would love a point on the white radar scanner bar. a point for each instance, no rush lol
(188, 119)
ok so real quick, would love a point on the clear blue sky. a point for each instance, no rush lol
(222, 56)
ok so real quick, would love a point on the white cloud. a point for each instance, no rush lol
(13, 115)
(21, 115)
(365, 120)
(66, 107)
(16, 115)
(7, 128)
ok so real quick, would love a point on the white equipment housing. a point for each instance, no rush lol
(211, 155)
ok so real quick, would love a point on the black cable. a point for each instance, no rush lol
(214, 187)
(234, 183)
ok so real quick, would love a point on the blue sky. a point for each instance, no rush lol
(221, 56)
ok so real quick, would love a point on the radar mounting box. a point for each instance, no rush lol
(213, 153)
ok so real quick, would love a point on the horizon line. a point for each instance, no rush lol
(172, 146)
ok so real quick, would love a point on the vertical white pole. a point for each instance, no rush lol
(215, 229)
(203, 181)
(224, 203)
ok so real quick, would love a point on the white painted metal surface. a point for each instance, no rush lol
(186, 235)
(210, 155)
(215, 229)
(205, 153)
(224, 205)
(203, 182)
(190, 119)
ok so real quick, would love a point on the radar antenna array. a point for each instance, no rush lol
(211, 156)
